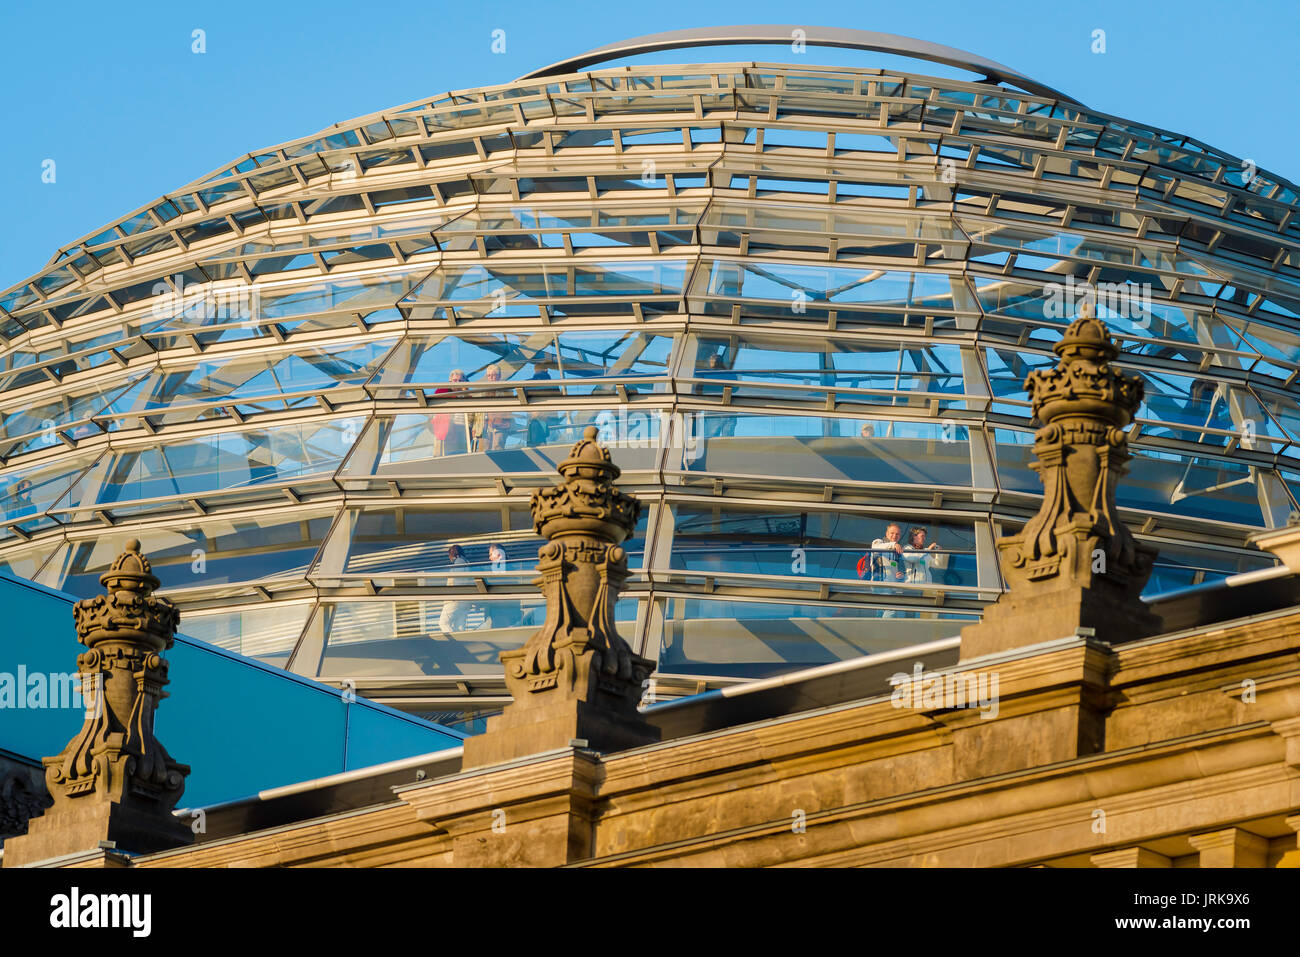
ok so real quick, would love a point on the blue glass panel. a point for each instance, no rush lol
(284, 730)
(426, 636)
(1181, 566)
(449, 447)
(745, 359)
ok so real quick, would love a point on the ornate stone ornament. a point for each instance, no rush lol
(575, 677)
(583, 569)
(1084, 404)
(1075, 567)
(115, 781)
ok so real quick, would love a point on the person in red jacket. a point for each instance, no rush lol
(441, 423)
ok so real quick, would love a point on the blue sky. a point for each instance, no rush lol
(115, 96)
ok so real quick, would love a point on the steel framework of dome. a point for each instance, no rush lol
(800, 303)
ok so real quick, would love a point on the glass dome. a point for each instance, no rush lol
(800, 304)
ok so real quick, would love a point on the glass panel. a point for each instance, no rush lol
(351, 295)
(749, 639)
(45, 420)
(1018, 298)
(515, 289)
(219, 462)
(33, 491)
(849, 545)
(449, 446)
(1013, 450)
(797, 284)
(425, 636)
(1007, 370)
(1202, 410)
(1202, 487)
(1181, 566)
(265, 632)
(25, 561)
(896, 452)
(542, 357)
(788, 366)
(238, 379)
(440, 545)
(1280, 350)
(207, 552)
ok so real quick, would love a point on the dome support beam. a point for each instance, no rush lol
(813, 36)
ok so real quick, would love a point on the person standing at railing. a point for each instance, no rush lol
(488, 430)
(454, 612)
(919, 558)
(440, 424)
(500, 614)
(885, 562)
(887, 555)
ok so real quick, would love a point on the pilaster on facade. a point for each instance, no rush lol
(1230, 847)
(1130, 857)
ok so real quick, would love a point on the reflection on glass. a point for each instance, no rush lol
(1181, 566)
(44, 421)
(1204, 487)
(1007, 371)
(25, 562)
(32, 491)
(743, 361)
(798, 286)
(238, 379)
(207, 552)
(218, 462)
(515, 289)
(409, 637)
(825, 449)
(1013, 450)
(440, 544)
(704, 636)
(420, 445)
(1195, 408)
(460, 366)
(265, 632)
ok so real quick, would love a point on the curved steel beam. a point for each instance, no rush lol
(816, 36)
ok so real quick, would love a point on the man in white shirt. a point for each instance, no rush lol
(887, 554)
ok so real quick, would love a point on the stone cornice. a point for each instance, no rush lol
(1136, 781)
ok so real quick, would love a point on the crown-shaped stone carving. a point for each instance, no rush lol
(1084, 383)
(114, 780)
(587, 500)
(129, 611)
(1075, 563)
(575, 677)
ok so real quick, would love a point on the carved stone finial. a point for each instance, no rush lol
(575, 677)
(114, 780)
(1075, 564)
